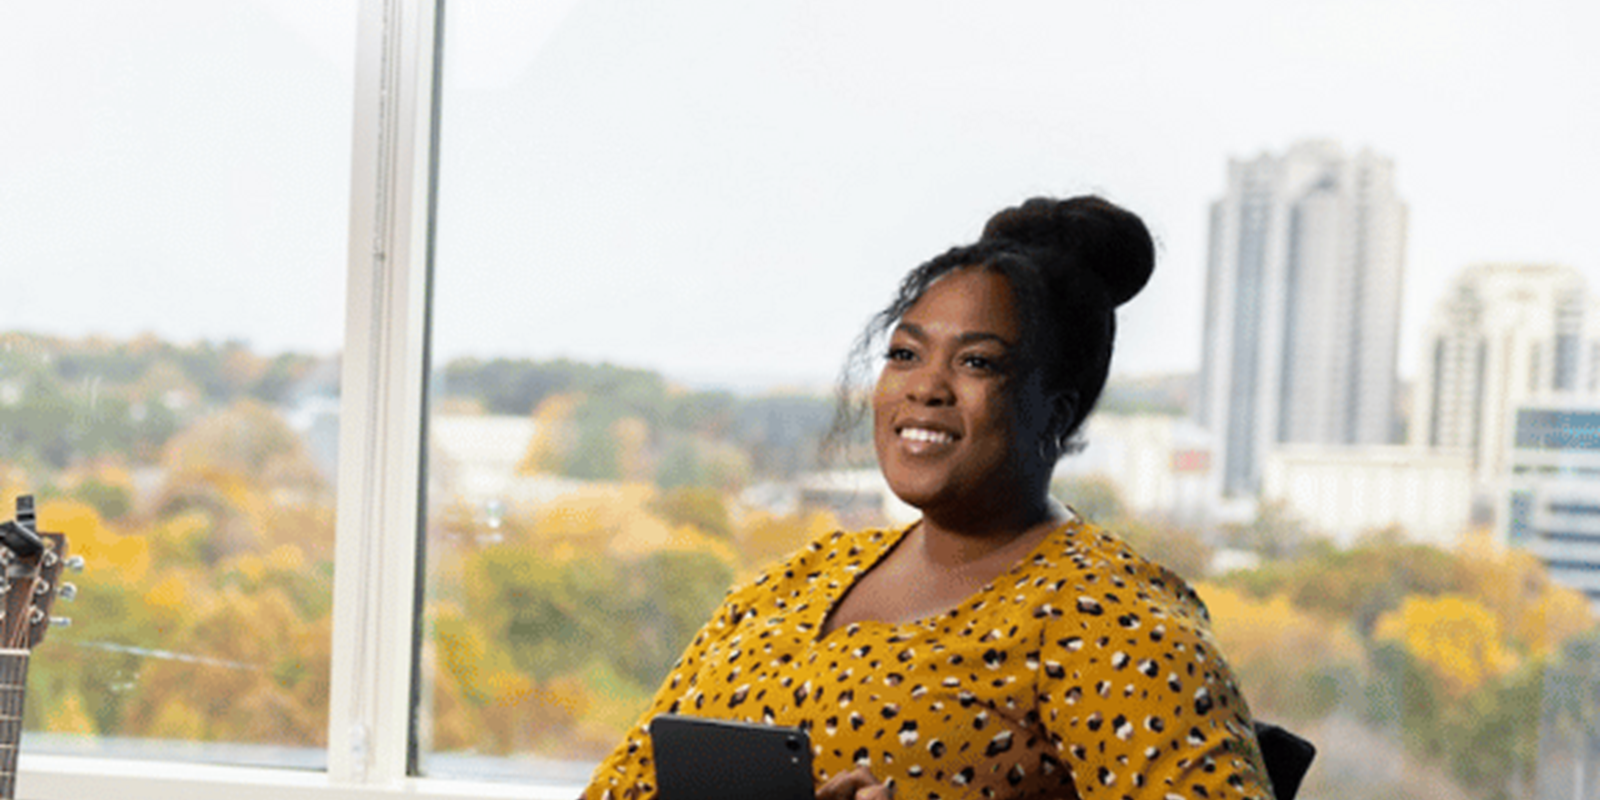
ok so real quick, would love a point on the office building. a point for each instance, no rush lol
(1345, 492)
(1504, 333)
(1551, 505)
(1302, 306)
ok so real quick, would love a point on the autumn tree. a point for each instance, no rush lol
(1274, 531)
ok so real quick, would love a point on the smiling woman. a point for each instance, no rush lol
(1000, 645)
(658, 225)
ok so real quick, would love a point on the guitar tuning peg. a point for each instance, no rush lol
(75, 563)
(61, 622)
(68, 591)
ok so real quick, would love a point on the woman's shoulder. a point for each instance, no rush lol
(826, 557)
(1115, 575)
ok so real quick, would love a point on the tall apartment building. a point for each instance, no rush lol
(1503, 334)
(1302, 317)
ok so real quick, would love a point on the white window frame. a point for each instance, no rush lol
(380, 500)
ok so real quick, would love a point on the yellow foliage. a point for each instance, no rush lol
(183, 532)
(177, 720)
(286, 558)
(250, 566)
(454, 726)
(103, 471)
(762, 537)
(648, 535)
(248, 438)
(1455, 638)
(1275, 649)
(1537, 614)
(567, 693)
(461, 651)
(169, 594)
(633, 439)
(520, 712)
(618, 519)
(244, 498)
(104, 550)
(69, 716)
(507, 688)
(1558, 615)
(1250, 630)
(591, 517)
(308, 527)
(552, 434)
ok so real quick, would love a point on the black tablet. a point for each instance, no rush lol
(707, 759)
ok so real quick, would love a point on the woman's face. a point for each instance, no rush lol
(957, 416)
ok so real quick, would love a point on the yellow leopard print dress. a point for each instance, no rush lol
(1085, 671)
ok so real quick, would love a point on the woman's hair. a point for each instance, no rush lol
(1070, 263)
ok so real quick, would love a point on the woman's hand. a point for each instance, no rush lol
(857, 784)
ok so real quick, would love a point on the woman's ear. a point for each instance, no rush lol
(1063, 409)
(1063, 413)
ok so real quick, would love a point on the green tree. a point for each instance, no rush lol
(1274, 532)
(699, 506)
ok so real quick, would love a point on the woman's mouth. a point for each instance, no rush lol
(926, 435)
(919, 441)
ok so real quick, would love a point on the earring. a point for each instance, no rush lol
(1047, 448)
(1056, 438)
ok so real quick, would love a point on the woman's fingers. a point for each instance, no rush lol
(857, 784)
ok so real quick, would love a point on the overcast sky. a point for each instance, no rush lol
(726, 190)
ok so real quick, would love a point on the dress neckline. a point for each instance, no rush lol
(871, 560)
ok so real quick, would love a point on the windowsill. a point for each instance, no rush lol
(57, 777)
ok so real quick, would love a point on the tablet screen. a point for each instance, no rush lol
(705, 759)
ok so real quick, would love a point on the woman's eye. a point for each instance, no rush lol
(978, 362)
(901, 354)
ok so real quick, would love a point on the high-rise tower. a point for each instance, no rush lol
(1302, 306)
(1503, 334)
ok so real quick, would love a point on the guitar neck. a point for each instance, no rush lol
(13, 679)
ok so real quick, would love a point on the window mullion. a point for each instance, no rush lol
(381, 405)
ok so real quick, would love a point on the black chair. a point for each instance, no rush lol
(1287, 757)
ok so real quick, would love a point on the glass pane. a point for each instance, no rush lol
(661, 228)
(174, 206)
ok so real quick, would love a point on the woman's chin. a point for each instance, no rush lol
(918, 495)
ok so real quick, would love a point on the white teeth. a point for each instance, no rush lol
(925, 435)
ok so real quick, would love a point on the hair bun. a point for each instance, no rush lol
(1081, 233)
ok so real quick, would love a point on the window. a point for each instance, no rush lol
(176, 211)
(582, 352)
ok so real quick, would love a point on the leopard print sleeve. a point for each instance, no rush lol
(1134, 694)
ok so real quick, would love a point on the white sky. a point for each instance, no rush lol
(726, 190)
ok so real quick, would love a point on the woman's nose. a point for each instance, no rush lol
(930, 385)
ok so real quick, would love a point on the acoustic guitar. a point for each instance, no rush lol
(31, 564)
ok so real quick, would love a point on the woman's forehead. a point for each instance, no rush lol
(965, 303)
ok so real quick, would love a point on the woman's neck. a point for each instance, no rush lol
(956, 542)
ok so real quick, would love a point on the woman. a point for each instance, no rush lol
(1000, 646)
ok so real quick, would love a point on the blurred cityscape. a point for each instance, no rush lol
(1406, 574)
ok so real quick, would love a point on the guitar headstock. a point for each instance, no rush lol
(31, 564)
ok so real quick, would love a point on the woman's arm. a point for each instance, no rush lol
(1138, 700)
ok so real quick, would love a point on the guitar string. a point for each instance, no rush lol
(19, 631)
